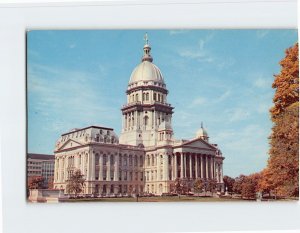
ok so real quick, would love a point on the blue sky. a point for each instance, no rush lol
(221, 77)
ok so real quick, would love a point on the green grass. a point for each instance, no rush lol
(156, 199)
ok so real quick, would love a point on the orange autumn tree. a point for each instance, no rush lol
(283, 165)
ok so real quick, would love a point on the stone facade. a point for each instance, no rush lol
(146, 158)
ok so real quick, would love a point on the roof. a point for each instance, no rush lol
(146, 71)
(40, 156)
(92, 126)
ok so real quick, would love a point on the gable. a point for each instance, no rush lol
(69, 144)
(198, 144)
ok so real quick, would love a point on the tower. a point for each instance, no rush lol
(147, 107)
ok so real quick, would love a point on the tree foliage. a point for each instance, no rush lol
(283, 165)
(180, 186)
(237, 186)
(228, 183)
(212, 185)
(249, 186)
(198, 185)
(75, 183)
(36, 182)
(286, 82)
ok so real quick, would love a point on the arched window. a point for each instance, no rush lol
(104, 159)
(130, 160)
(96, 159)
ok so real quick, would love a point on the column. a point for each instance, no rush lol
(184, 158)
(101, 167)
(212, 167)
(181, 165)
(175, 166)
(202, 166)
(116, 168)
(93, 166)
(172, 167)
(166, 167)
(108, 168)
(221, 172)
(206, 168)
(191, 171)
(196, 166)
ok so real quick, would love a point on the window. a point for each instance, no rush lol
(148, 160)
(154, 96)
(104, 160)
(135, 160)
(137, 97)
(141, 161)
(146, 120)
(96, 159)
(147, 96)
(130, 160)
(161, 159)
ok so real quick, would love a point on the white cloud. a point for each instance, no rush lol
(72, 45)
(262, 82)
(198, 101)
(198, 52)
(66, 98)
(262, 33)
(237, 114)
(222, 97)
(176, 32)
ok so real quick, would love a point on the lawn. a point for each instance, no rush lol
(155, 199)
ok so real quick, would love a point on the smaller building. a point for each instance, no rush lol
(41, 165)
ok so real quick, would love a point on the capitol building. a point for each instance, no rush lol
(146, 158)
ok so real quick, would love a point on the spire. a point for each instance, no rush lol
(147, 49)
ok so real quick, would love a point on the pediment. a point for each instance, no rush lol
(199, 144)
(69, 144)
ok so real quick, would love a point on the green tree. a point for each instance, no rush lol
(179, 186)
(237, 186)
(212, 185)
(198, 185)
(228, 183)
(75, 183)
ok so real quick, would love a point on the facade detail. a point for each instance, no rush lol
(146, 158)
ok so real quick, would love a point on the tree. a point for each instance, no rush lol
(286, 82)
(228, 183)
(75, 183)
(198, 185)
(237, 186)
(283, 163)
(36, 182)
(265, 183)
(179, 186)
(212, 185)
(249, 186)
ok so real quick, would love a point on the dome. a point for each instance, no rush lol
(202, 133)
(146, 71)
(165, 126)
